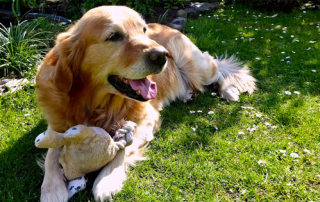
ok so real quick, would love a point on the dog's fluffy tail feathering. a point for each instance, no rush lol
(235, 73)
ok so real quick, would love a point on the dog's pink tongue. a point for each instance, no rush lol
(147, 88)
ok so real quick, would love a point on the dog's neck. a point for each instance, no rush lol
(94, 106)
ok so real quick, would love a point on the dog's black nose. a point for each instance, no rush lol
(158, 57)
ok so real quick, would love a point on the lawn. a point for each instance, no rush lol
(263, 148)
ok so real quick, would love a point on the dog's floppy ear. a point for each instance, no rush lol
(69, 50)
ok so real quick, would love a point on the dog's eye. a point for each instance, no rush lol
(115, 37)
(144, 30)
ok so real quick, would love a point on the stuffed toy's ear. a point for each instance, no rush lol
(50, 139)
(78, 133)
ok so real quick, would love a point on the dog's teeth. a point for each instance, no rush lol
(138, 92)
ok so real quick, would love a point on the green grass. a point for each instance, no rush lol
(210, 164)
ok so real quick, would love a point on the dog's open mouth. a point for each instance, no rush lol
(138, 89)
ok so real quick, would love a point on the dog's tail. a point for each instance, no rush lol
(235, 73)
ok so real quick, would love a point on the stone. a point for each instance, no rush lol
(204, 7)
(176, 26)
(52, 1)
(11, 85)
(182, 13)
(190, 11)
(178, 23)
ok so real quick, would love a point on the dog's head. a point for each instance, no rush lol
(109, 45)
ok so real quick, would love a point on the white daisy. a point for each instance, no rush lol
(293, 52)
(307, 151)
(294, 155)
(213, 94)
(240, 133)
(297, 40)
(192, 27)
(209, 16)
(199, 111)
(288, 62)
(287, 92)
(312, 41)
(267, 124)
(281, 37)
(304, 11)
(292, 36)
(282, 151)
(192, 112)
(261, 162)
(283, 52)
(314, 70)
(308, 48)
(211, 112)
(296, 92)
(287, 57)
(223, 42)
(251, 39)
(284, 32)
(259, 115)
(257, 58)
(194, 129)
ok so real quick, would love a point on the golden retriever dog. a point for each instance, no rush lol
(110, 66)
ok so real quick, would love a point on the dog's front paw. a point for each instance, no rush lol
(230, 93)
(104, 188)
(55, 191)
(123, 136)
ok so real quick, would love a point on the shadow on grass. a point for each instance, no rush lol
(21, 177)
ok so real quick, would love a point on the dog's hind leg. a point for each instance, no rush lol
(234, 78)
(199, 69)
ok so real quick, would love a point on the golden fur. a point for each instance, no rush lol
(72, 85)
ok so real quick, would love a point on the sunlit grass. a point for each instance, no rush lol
(243, 151)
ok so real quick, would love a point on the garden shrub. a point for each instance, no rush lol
(21, 48)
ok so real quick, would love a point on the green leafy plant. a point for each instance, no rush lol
(162, 18)
(17, 4)
(20, 49)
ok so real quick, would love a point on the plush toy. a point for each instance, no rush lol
(85, 149)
